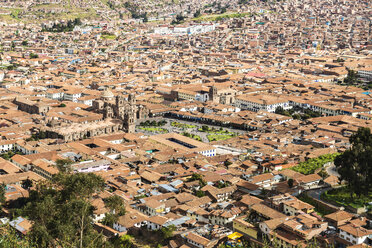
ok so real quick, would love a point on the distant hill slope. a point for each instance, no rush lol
(41, 10)
(149, 10)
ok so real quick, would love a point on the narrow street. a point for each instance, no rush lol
(331, 170)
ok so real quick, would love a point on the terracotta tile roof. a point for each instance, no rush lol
(309, 178)
(339, 216)
(160, 220)
(198, 239)
(355, 230)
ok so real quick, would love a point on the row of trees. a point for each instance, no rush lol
(153, 123)
(192, 136)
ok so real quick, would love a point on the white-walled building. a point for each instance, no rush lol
(7, 145)
(354, 234)
(185, 29)
(261, 102)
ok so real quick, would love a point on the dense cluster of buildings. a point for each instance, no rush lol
(244, 99)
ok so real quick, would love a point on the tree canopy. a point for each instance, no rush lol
(2, 193)
(355, 164)
(352, 78)
(10, 239)
(117, 208)
(62, 213)
(167, 232)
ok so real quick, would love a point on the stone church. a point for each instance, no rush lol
(120, 108)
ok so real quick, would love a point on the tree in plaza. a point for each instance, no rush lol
(355, 164)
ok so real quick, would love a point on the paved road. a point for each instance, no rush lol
(316, 193)
(331, 170)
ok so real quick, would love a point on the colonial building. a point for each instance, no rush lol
(121, 109)
(31, 107)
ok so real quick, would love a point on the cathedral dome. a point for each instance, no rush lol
(107, 94)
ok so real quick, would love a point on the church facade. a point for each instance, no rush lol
(120, 108)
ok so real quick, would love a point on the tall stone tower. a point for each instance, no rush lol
(108, 113)
(130, 114)
(130, 122)
(119, 101)
(213, 96)
(121, 109)
(132, 99)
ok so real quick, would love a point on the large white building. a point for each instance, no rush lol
(185, 29)
(261, 102)
(365, 73)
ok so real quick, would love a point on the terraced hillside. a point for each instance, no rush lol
(146, 10)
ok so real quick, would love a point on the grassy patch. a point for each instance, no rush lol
(309, 166)
(15, 13)
(216, 134)
(219, 17)
(108, 36)
(70, 12)
(77, 13)
(216, 137)
(12, 17)
(342, 196)
(154, 129)
(47, 6)
(182, 125)
(193, 136)
(213, 130)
